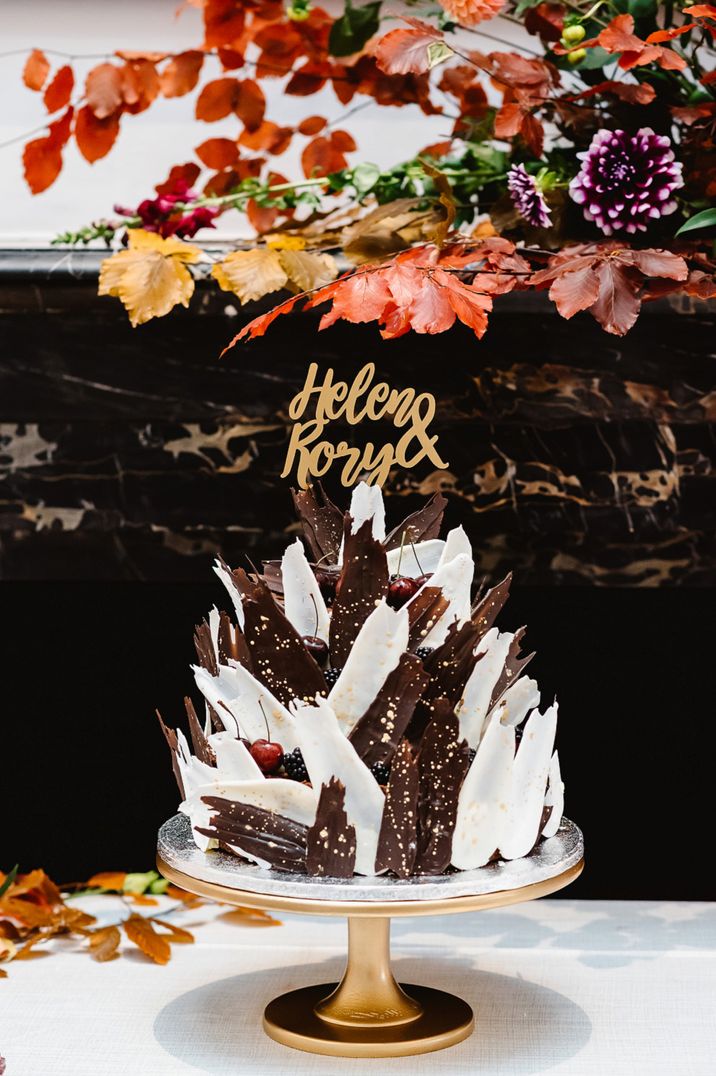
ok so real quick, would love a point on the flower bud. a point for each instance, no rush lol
(572, 35)
(577, 56)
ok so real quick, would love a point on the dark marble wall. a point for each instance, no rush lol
(575, 457)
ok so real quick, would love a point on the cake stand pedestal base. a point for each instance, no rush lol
(368, 1014)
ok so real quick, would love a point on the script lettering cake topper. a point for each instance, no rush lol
(311, 455)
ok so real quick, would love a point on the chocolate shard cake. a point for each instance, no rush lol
(362, 712)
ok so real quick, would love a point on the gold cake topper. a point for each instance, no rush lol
(312, 455)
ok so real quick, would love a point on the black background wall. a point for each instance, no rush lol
(127, 459)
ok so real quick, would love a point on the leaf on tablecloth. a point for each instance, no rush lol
(141, 931)
(249, 917)
(103, 944)
(176, 934)
(113, 880)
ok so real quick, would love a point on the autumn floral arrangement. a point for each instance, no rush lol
(580, 160)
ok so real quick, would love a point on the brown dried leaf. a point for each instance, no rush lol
(108, 880)
(103, 944)
(141, 931)
(176, 934)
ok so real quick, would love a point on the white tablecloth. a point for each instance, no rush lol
(598, 988)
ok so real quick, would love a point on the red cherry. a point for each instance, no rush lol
(400, 590)
(317, 648)
(268, 756)
(423, 579)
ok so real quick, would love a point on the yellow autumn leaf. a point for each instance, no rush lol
(285, 242)
(151, 277)
(250, 274)
(306, 271)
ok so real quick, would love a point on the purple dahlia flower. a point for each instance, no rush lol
(527, 197)
(626, 180)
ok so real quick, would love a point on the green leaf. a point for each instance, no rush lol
(705, 219)
(364, 177)
(596, 57)
(438, 53)
(159, 886)
(138, 883)
(9, 880)
(355, 26)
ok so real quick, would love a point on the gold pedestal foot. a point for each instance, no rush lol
(368, 1014)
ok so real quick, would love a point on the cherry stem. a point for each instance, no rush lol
(233, 718)
(400, 555)
(315, 609)
(415, 554)
(268, 734)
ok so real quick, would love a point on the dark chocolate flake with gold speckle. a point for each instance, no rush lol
(398, 838)
(361, 585)
(331, 840)
(513, 667)
(443, 761)
(267, 835)
(376, 735)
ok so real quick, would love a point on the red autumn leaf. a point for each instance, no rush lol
(222, 182)
(218, 153)
(95, 137)
(470, 305)
(217, 99)
(545, 20)
(133, 55)
(312, 125)
(607, 280)
(250, 104)
(36, 70)
(259, 325)
(268, 136)
(223, 23)
(181, 173)
(230, 60)
(512, 119)
(42, 157)
(361, 297)
(103, 90)
(619, 36)
(634, 93)
(309, 78)
(280, 44)
(326, 154)
(140, 85)
(181, 74)
(403, 52)
(59, 91)
(669, 35)
(261, 217)
(701, 11)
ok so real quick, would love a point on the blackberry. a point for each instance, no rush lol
(424, 652)
(381, 772)
(294, 765)
(471, 756)
(330, 676)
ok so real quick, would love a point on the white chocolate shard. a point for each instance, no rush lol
(416, 560)
(529, 782)
(233, 593)
(214, 621)
(516, 703)
(327, 753)
(303, 602)
(484, 799)
(456, 543)
(367, 503)
(290, 798)
(234, 762)
(475, 703)
(554, 798)
(455, 580)
(236, 693)
(374, 654)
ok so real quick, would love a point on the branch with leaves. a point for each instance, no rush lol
(584, 160)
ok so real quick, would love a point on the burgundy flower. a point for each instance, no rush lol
(527, 197)
(626, 181)
(161, 215)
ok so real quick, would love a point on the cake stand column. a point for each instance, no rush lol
(368, 995)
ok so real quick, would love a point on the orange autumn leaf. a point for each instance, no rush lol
(181, 74)
(181, 894)
(269, 136)
(108, 880)
(312, 125)
(176, 934)
(141, 931)
(103, 90)
(95, 137)
(59, 91)
(217, 99)
(326, 154)
(223, 23)
(142, 898)
(36, 70)
(404, 52)
(139, 85)
(42, 157)
(103, 944)
(250, 104)
(218, 153)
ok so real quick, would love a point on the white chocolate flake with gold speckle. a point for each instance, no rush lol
(303, 602)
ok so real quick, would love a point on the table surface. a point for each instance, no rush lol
(580, 988)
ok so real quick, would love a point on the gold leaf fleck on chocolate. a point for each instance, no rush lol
(513, 667)
(266, 834)
(322, 522)
(424, 611)
(489, 607)
(419, 526)
(398, 839)
(202, 748)
(443, 761)
(376, 735)
(361, 585)
(204, 646)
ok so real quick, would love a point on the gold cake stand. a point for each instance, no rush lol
(367, 1014)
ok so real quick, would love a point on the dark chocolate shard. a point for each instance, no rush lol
(171, 737)
(204, 646)
(202, 748)
(424, 611)
(361, 585)
(451, 663)
(279, 658)
(232, 643)
(331, 840)
(488, 608)
(398, 838)
(272, 837)
(443, 761)
(272, 577)
(513, 667)
(376, 735)
(421, 525)
(322, 522)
